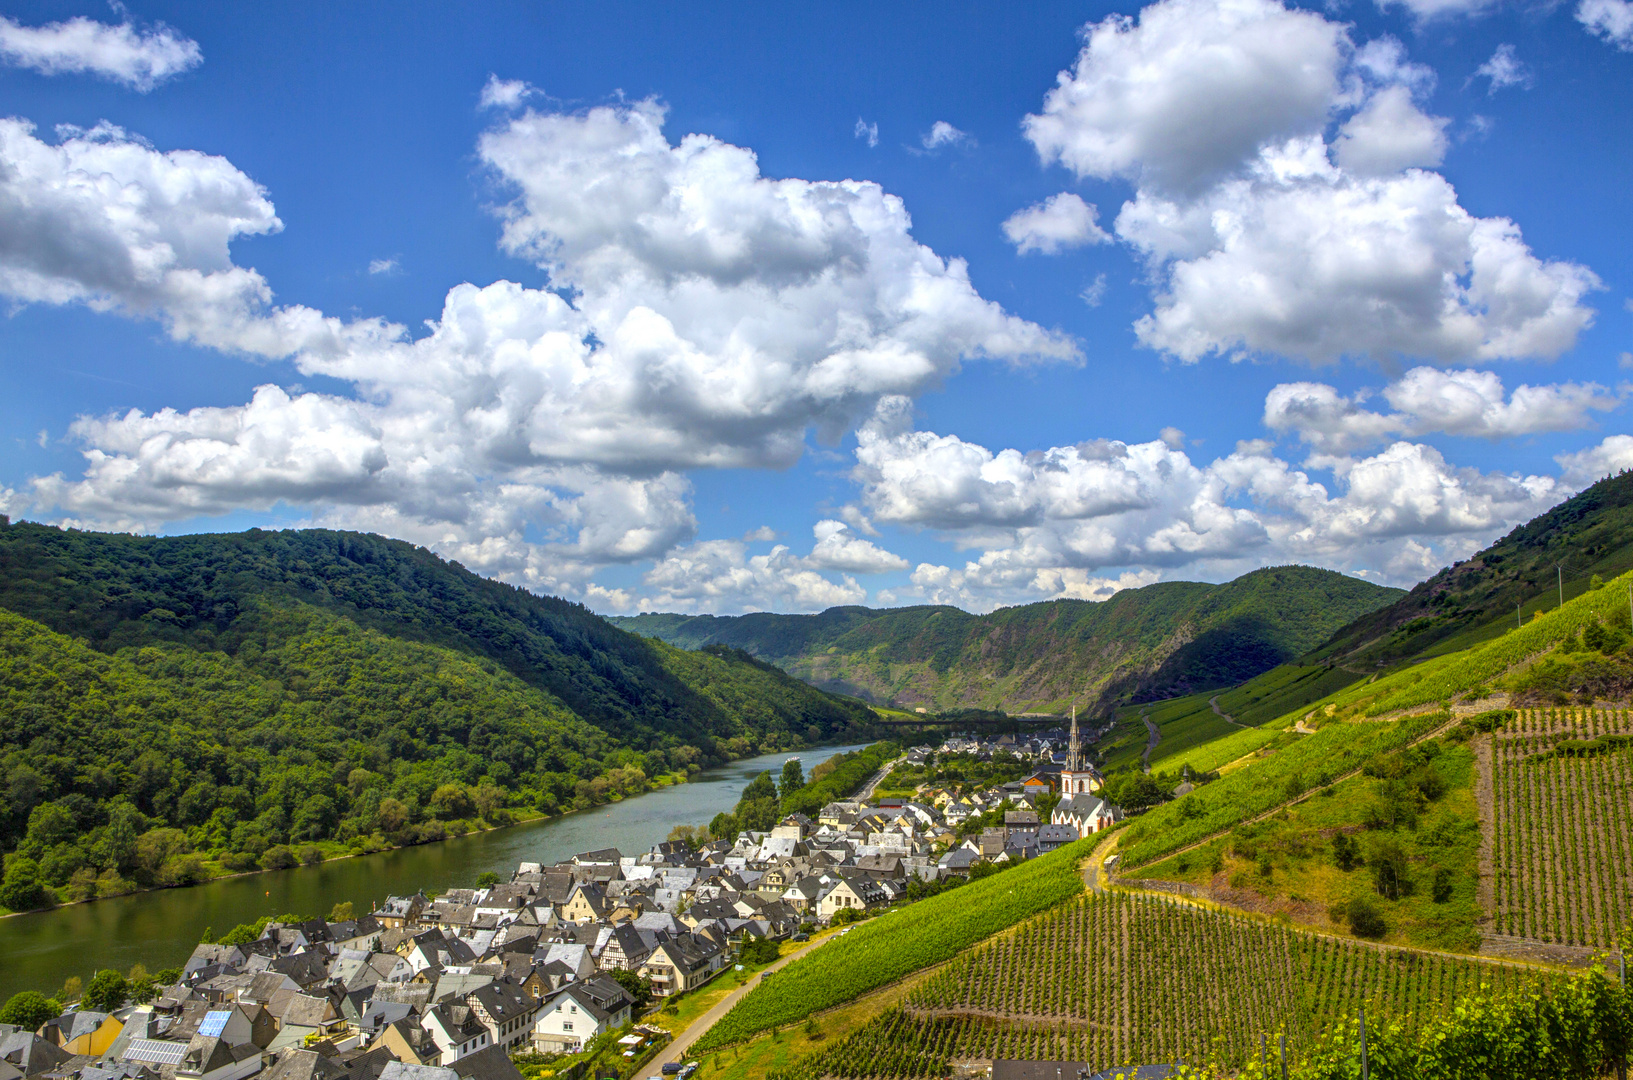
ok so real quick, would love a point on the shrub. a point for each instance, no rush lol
(278, 857)
(29, 1010)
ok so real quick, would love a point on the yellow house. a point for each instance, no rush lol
(85, 1033)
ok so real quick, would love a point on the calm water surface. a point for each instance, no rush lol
(39, 951)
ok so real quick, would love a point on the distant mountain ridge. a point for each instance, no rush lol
(1158, 641)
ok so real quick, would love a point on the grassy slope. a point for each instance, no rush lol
(1305, 880)
(1140, 644)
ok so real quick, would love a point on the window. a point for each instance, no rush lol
(567, 1025)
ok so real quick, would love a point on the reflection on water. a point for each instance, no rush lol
(40, 950)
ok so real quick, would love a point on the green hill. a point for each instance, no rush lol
(1142, 644)
(172, 707)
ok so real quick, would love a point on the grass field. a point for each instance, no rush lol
(1287, 865)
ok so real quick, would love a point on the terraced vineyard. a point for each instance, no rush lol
(1118, 979)
(1562, 827)
(899, 943)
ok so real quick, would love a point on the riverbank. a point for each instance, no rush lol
(335, 852)
(159, 928)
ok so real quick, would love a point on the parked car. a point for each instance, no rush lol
(800, 936)
(671, 1068)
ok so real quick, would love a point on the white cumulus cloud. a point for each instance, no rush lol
(1432, 401)
(717, 317)
(1060, 221)
(1611, 20)
(1260, 235)
(942, 134)
(140, 59)
(500, 93)
(103, 219)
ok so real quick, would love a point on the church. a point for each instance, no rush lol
(1079, 806)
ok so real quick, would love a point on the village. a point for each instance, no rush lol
(564, 965)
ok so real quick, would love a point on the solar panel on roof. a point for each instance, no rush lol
(215, 1022)
(157, 1051)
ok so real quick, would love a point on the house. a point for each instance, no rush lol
(456, 1031)
(208, 1058)
(854, 892)
(401, 912)
(1088, 814)
(506, 1011)
(1051, 837)
(682, 963)
(85, 1032)
(588, 902)
(408, 1041)
(579, 1013)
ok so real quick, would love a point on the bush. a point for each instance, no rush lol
(310, 855)
(21, 889)
(760, 951)
(278, 857)
(240, 862)
(1364, 918)
(29, 1010)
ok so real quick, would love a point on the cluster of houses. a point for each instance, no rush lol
(448, 988)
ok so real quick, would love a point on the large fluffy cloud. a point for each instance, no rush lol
(1301, 258)
(716, 318)
(1060, 221)
(104, 219)
(1428, 401)
(1068, 520)
(1184, 93)
(1263, 238)
(140, 59)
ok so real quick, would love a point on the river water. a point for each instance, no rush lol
(40, 950)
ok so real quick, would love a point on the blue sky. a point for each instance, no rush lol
(739, 308)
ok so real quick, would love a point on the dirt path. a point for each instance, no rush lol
(1213, 703)
(1151, 743)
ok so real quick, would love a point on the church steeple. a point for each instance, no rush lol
(1073, 747)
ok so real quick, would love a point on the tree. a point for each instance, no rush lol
(639, 987)
(341, 912)
(108, 991)
(1346, 854)
(723, 827)
(793, 777)
(487, 879)
(690, 835)
(761, 787)
(451, 801)
(29, 1010)
(1391, 870)
(758, 950)
(1365, 920)
(21, 890)
(1441, 890)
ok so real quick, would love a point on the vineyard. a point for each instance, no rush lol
(1125, 979)
(1562, 828)
(897, 944)
(1313, 761)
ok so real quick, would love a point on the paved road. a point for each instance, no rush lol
(876, 779)
(678, 1047)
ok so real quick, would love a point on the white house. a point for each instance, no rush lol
(1086, 813)
(580, 1012)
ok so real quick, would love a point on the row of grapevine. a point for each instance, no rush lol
(1130, 978)
(897, 944)
(1562, 830)
(1571, 1029)
(1313, 761)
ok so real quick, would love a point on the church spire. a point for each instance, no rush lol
(1072, 746)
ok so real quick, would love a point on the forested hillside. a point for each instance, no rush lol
(1155, 642)
(1587, 535)
(175, 707)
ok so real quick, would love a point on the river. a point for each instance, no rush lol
(40, 950)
